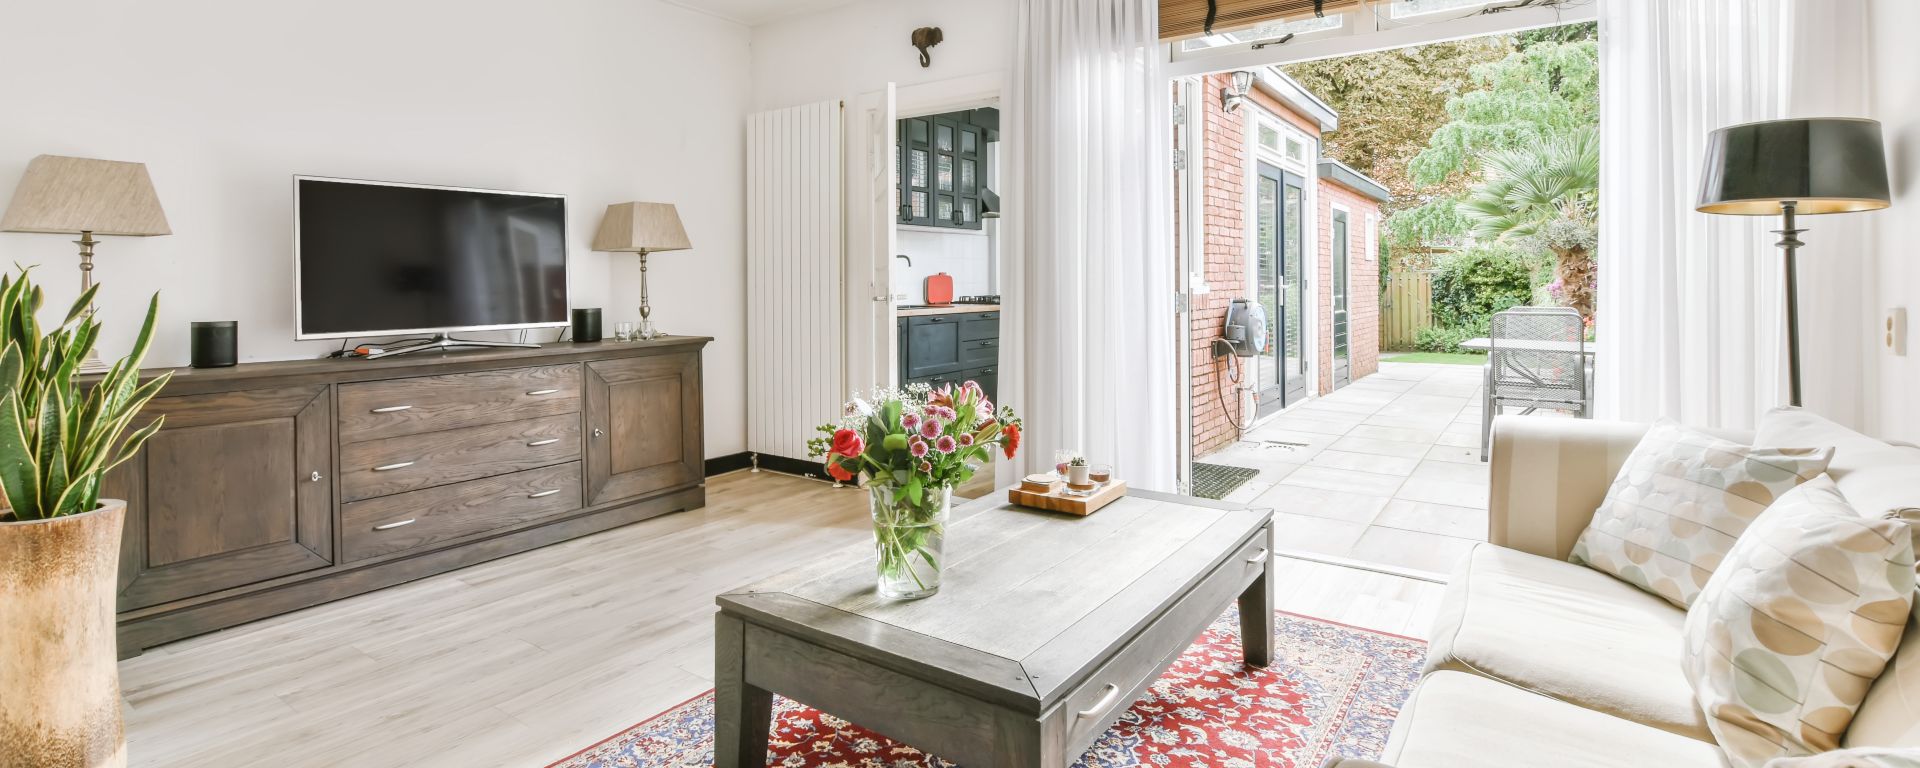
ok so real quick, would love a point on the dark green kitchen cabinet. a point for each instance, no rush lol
(943, 168)
(951, 348)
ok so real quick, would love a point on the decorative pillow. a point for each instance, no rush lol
(1679, 502)
(1864, 757)
(1784, 641)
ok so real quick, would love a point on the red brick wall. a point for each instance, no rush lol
(1224, 222)
(1363, 283)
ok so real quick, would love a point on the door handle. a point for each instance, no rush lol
(597, 433)
(1258, 558)
(1105, 702)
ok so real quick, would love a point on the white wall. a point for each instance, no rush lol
(964, 254)
(1893, 265)
(858, 48)
(602, 100)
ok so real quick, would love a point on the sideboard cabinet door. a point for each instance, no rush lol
(644, 426)
(237, 488)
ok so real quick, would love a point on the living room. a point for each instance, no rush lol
(489, 384)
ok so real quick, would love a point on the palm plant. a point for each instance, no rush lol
(57, 438)
(1548, 194)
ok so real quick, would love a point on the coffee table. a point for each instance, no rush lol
(1047, 628)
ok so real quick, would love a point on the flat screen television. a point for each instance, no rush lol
(377, 259)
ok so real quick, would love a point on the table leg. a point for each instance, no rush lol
(742, 713)
(1256, 612)
(1021, 742)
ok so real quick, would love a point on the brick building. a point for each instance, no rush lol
(1292, 231)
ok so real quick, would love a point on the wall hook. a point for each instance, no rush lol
(923, 39)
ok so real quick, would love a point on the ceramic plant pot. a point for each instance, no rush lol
(59, 671)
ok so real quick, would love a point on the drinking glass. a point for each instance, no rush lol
(623, 332)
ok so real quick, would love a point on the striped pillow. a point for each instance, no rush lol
(1788, 635)
(1679, 503)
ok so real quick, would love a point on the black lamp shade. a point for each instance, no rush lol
(1824, 165)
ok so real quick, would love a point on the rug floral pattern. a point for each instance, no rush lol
(1332, 690)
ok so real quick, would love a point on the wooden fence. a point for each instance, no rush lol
(1406, 306)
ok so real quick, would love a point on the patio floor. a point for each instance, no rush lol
(1385, 471)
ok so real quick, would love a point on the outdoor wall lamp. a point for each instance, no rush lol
(1232, 96)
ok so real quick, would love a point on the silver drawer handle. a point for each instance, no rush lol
(392, 409)
(390, 467)
(543, 392)
(1259, 557)
(538, 443)
(543, 493)
(1105, 702)
(408, 521)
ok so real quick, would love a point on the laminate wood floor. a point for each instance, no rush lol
(524, 660)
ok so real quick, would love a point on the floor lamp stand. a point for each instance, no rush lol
(93, 363)
(1789, 244)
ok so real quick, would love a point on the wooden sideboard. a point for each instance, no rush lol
(278, 486)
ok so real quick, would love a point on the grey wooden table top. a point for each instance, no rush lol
(1030, 601)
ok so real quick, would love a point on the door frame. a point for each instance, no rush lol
(1308, 171)
(1334, 213)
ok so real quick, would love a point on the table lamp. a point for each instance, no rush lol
(85, 197)
(642, 228)
(1790, 167)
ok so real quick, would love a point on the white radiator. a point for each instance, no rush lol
(795, 307)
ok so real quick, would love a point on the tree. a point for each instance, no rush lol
(1534, 94)
(1545, 196)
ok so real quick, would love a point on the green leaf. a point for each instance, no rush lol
(19, 477)
(81, 304)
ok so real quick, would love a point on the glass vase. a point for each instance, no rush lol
(907, 537)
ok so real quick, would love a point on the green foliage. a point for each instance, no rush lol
(1435, 338)
(1528, 188)
(1436, 223)
(57, 439)
(1474, 283)
(1538, 92)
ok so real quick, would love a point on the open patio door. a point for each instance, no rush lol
(873, 346)
(1279, 199)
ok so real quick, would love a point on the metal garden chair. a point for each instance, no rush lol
(1536, 359)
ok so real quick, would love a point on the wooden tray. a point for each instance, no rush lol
(1057, 500)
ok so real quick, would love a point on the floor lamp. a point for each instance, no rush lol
(1794, 167)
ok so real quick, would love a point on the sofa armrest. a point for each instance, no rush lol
(1549, 475)
(1348, 762)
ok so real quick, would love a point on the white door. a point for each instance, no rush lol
(872, 156)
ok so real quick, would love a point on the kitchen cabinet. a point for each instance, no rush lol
(943, 168)
(951, 348)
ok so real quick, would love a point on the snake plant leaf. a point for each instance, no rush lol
(10, 366)
(19, 477)
(54, 481)
(81, 304)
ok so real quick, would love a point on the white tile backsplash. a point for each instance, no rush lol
(966, 255)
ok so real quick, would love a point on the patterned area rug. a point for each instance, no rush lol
(1332, 690)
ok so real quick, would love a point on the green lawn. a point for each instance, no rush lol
(1449, 358)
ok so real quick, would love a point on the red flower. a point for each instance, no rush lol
(1013, 439)
(838, 472)
(847, 442)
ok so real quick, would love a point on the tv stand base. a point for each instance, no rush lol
(442, 342)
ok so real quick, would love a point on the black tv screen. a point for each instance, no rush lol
(373, 258)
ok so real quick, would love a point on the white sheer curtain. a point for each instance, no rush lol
(1691, 322)
(1089, 277)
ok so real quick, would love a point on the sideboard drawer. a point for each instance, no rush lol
(377, 409)
(422, 518)
(411, 462)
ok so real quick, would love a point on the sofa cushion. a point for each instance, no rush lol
(1866, 757)
(1456, 719)
(1567, 632)
(1890, 715)
(1877, 478)
(1679, 503)
(1785, 639)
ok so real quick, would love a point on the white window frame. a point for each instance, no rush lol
(1366, 30)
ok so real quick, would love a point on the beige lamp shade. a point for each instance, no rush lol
(641, 228)
(71, 195)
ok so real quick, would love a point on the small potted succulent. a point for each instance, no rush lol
(59, 541)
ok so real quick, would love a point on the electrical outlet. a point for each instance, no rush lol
(1897, 330)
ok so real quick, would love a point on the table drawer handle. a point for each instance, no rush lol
(538, 443)
(543, 493)
(388, 526)
(391, 467)
(543, 392)
(1259, 558)
(1105, 703)
(392, 409)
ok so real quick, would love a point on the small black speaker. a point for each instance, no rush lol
(586, 324)
(215, 343)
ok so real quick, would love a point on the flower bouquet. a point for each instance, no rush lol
(911, 447)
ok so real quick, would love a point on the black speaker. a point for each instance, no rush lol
(586, 324)
(215, 343)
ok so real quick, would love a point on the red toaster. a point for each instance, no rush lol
(940, 289)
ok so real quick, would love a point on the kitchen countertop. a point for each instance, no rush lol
(948, 310)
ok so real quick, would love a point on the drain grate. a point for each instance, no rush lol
(1215, 481)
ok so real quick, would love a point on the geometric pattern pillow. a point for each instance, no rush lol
(1800, 620)
(1680, 501)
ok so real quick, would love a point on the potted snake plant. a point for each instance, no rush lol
(59, 541)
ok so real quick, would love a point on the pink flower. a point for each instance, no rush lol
(926, 466)
(918, 448)
(908, 421)
(966, 439)
(930, 428)
(945, 444)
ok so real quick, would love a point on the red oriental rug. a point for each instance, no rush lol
(1332, 690)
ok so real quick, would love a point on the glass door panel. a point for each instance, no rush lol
(1294, 359)
(1278, 199)
(1342, 354)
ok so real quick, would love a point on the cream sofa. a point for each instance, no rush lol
(1538, 662)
